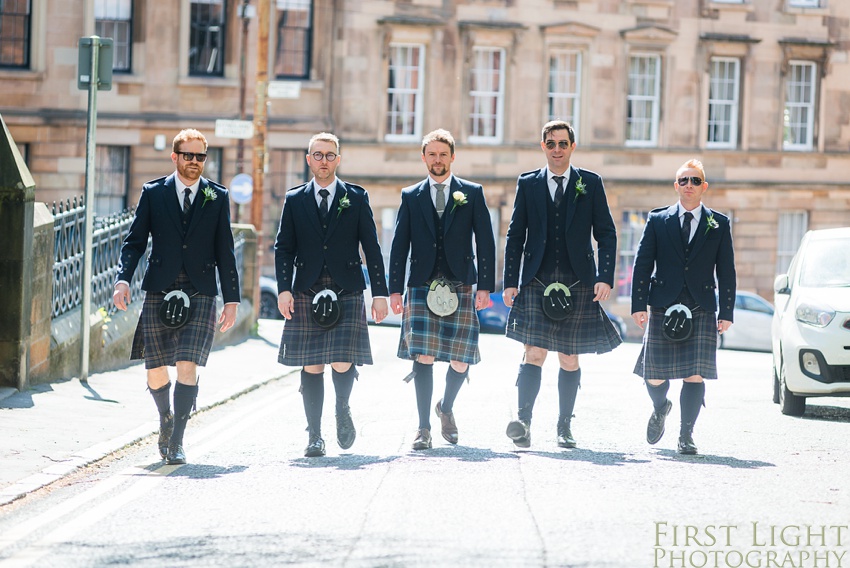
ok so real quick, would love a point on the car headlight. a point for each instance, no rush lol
(814, 314)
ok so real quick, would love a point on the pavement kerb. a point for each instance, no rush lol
(101, 450)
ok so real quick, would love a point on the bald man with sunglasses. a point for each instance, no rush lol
(187, 218)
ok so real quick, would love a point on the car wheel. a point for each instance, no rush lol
(789, 403)
(268, 307)
(775, 386)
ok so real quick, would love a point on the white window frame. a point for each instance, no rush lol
(483, 67)
(727, 1)
(796, 102)
(653, 100)
(804, 3)
(720, 105)
(631, 230)
(564, 72)
(405, 97)
(791, 227)
(114, 18)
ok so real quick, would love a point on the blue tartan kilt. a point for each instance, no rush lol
(306, 343)
(661, 359)
(449, 338)
(159, 345)
(586, 330)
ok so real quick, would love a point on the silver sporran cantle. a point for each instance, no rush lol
(442, 298)
(326, 309)
(557, 303)
(174, 311)
(678, 323)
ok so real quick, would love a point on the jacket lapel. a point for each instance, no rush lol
(541, 196)
(570, 195)
(170, 203)
(423, 198)
(308, 205)
(333, 208)
(449, 213)
(674, 230)
(197, 206)
(702, 230)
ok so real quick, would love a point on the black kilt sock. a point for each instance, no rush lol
(568, 383)
(343, 384)
(454, 381)
(162, 399)
(313, 395)
(691, 400)
(528, 386)
(424, 383)
(184, 400)
(658, 394)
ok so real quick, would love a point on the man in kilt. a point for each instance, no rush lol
(323, 225)
(555, 304)
(188, 219)
(683, 249)
(436, 223)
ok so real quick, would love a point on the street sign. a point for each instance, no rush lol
(104, 63)
(241, 188)
(284, 89)
(234, 128)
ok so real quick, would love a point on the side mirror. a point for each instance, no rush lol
(781, 284)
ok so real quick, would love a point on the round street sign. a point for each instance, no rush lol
(241, 188)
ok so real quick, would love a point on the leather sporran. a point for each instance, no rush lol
(442, 298)
(557, 302)
(326, 309)
(175, 310)
(678, 323)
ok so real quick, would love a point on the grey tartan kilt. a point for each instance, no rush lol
(662, 359)
(305, 343)
(159, 345)
(449, 338)
(586, 330)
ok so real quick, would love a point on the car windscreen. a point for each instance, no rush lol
(826, 263)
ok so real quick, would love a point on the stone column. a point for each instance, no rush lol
(17, 198)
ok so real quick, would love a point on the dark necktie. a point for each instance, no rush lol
(559, 190)
(186, 201)
(323, 206)
(686, 228)
(441, 198)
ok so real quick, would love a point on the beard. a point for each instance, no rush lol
(190, 171)
(438, 170)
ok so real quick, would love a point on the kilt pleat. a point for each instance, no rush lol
(662, 359)
(449, 338)
(586, 330)
(162, 346)
(305, 343)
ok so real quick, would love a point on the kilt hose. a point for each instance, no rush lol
(304, 342)
(161, 346)
(449, 338)
(663, 359)
(586, 330)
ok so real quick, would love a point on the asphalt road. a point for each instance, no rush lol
(765, 490)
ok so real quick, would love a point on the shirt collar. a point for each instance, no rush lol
(446, 182)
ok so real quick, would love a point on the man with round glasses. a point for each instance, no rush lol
(320, 286)
(685, 253)
(187, 218)
(555, 301)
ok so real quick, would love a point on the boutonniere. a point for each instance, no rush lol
(459, 198)
(711, 222)
(209, 195)
(580, 189)
(344, 203)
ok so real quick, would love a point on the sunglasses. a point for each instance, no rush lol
(330, 156)
(562, 144)
(695, 181)
(189, 156)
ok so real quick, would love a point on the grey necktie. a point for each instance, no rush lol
(559, 190)
(186, 201)
(441, 198)
(323, 206)
(686, 227)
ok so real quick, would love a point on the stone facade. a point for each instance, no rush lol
(772, 191)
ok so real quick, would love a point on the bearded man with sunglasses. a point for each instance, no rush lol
(187, 218)
(320, 284)
(555, 303)
(685, 253)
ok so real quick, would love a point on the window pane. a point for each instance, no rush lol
(213, 165)
(15, 33)
(206, 38)
(294, 33)
(486, 94)
(565, 86)
(792, 226)
(630, 232)
(113, 18)
(112, 171)
(643, 99)
(723, 102)
(799, 106)
(404, 92)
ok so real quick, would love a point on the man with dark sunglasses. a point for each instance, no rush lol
(555, 304)
(685, 253)
(187, 218)
(324, 224)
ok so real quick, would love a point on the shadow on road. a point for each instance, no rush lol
(708, 459)
(345, 462)
(202, 471)
(589, 456)
(828, 413)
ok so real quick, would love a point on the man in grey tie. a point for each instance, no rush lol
(436, 223)
(671, 271)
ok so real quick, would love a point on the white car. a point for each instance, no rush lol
(751, 330)
(811, 322)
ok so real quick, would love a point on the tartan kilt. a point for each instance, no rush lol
(306, 343)
(663, 359)
(449, 338)
(586, 330)
(162, 346)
